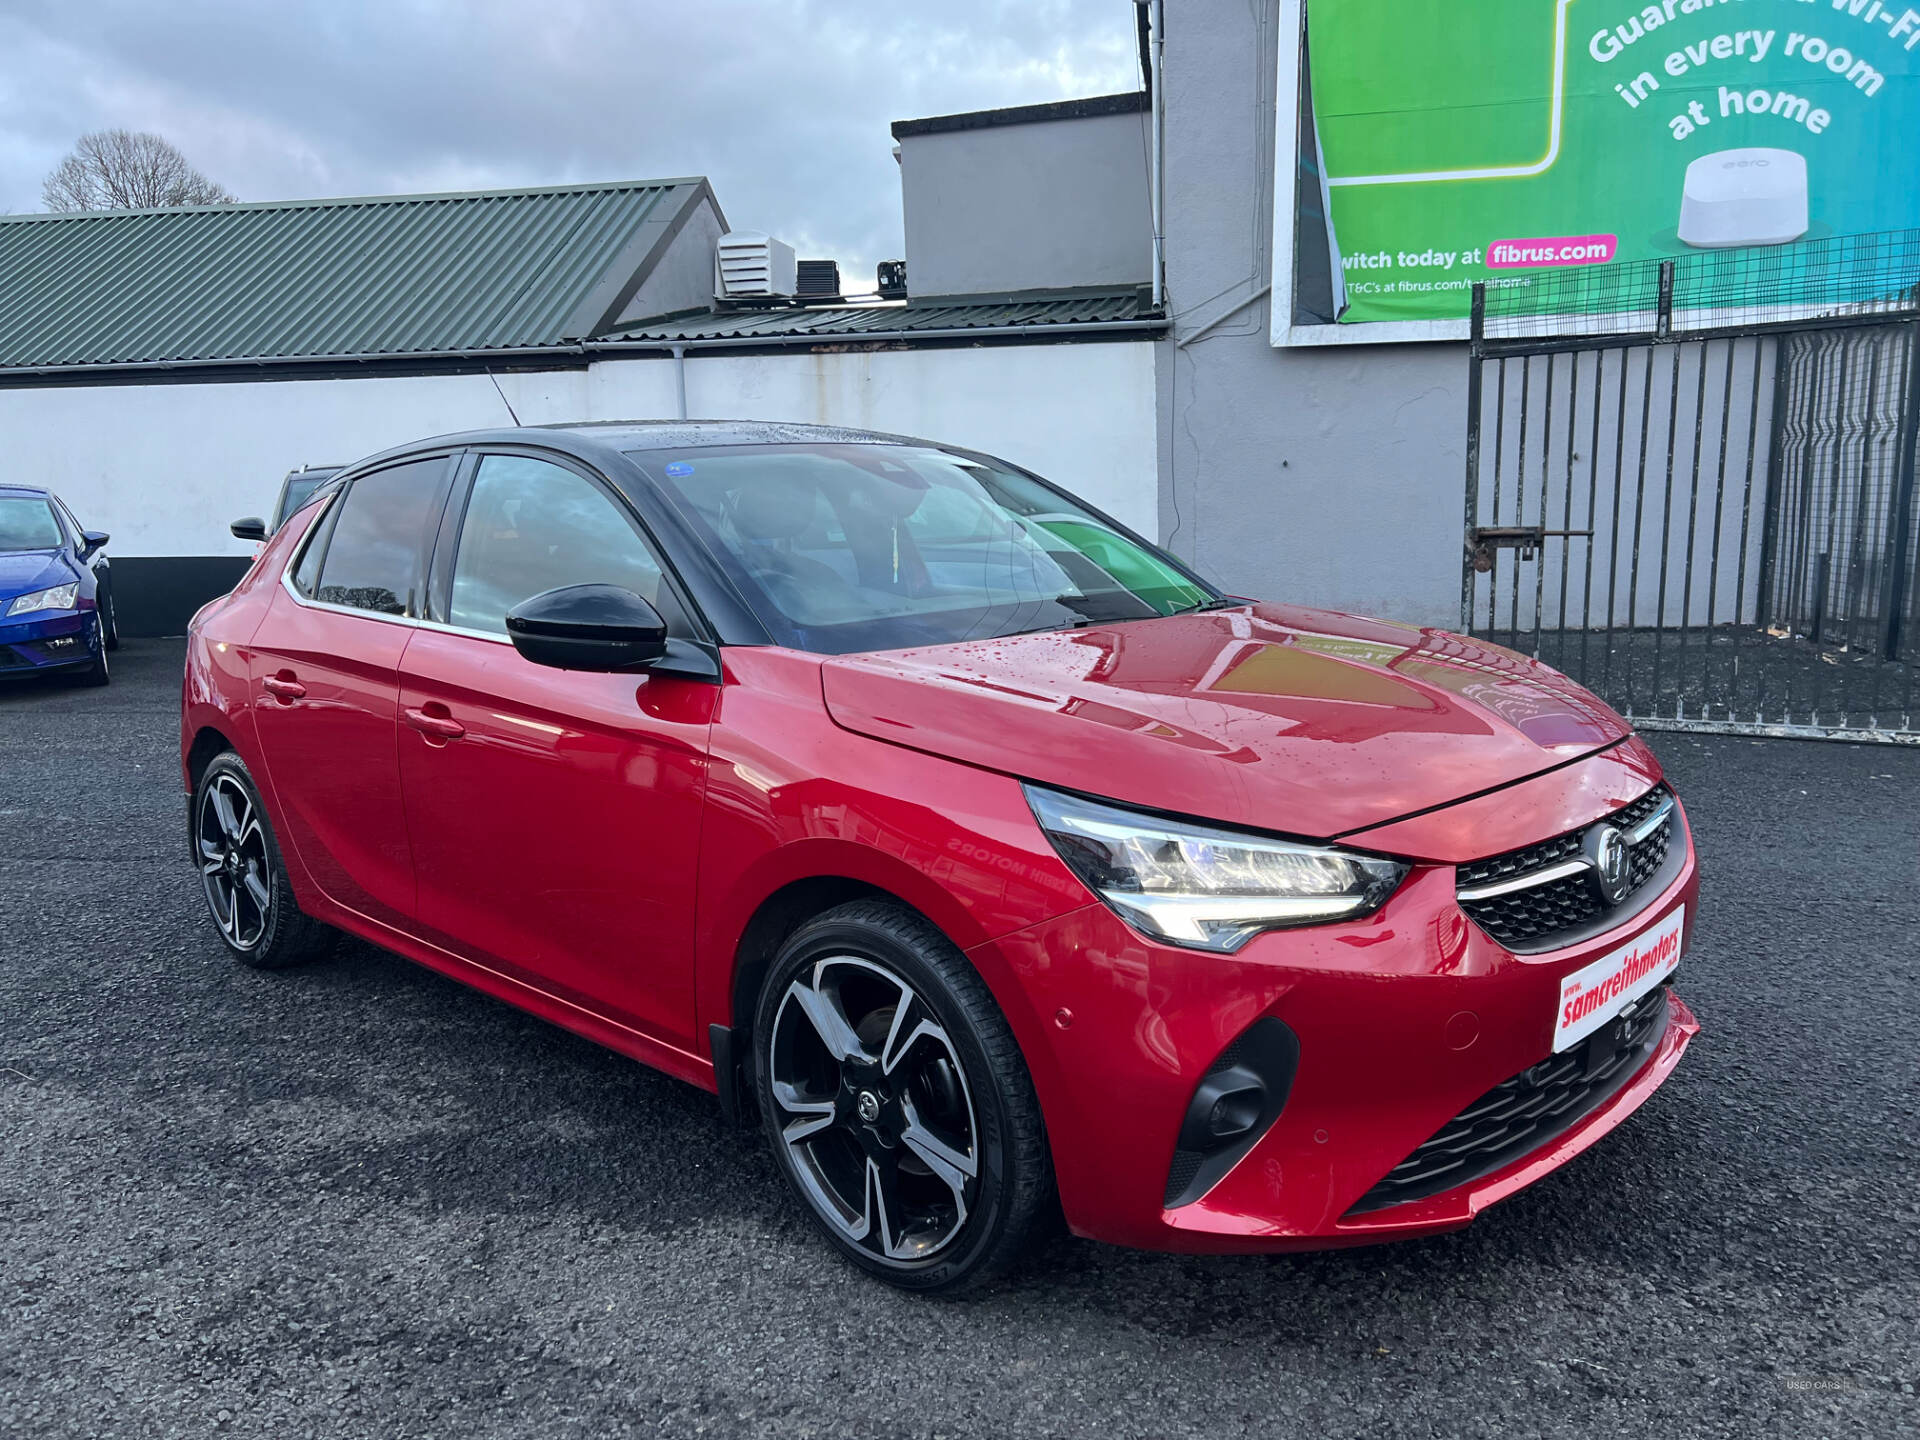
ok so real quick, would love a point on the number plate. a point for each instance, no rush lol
(1594, 994)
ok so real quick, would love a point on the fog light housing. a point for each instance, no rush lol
(1235, 1103)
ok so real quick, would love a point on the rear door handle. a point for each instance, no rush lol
(284, 688)
(434, 726)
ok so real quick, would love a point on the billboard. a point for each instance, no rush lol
(1429, 144)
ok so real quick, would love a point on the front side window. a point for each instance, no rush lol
(532, 526)
(27, 523)
(845, 548)
(372, 554)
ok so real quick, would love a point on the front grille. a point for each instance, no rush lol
(1520, 862)
(12, 659)
(1530, 917)
(1528, 1112)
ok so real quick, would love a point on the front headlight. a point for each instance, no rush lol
(60, 597)
(1205, 888)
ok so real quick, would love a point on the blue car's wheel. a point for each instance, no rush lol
(98, 673)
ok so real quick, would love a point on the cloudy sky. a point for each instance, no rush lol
(783, 104)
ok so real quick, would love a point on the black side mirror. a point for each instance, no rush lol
(588, 627)
(251, 528)
(92, 542)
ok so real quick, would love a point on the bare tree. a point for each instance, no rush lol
(127, 170)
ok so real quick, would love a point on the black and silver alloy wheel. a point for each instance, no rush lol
(877, 1117)
(242, 872)
(897, 1100)
(236, 868)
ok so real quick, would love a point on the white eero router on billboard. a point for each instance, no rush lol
(1753, 196)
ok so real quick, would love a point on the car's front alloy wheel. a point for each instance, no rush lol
(897, 1100)
(878, 1123)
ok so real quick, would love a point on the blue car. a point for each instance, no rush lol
(56, 589)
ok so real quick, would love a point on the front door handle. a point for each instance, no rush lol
(284, 688)
(435, 726)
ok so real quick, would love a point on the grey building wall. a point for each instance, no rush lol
(683, 278)
(993, 206)
(1333, 476)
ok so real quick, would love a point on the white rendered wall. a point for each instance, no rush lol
(1082, 416)
(166, 467)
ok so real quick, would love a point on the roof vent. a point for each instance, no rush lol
(749, 265)
(819, 280)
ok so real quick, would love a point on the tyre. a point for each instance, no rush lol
(896, 1100)
(243, 876)
(98, 673)
(111, 618)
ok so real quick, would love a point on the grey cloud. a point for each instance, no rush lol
(784, 104)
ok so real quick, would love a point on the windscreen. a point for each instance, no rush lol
(27, 523)
(845, 548)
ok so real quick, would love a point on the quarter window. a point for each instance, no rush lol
(531, 527)
(372, 559)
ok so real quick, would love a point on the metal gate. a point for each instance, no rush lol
(1693, 488)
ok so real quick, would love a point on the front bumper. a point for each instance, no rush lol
(1403, 1020)
(54, 641)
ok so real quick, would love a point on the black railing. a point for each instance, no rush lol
(1703, 505)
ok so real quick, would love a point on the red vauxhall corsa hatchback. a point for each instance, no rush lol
(972, 846)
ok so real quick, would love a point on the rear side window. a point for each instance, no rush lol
(306, 574)
(372, 559)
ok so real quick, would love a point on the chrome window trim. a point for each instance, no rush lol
(411, 621)
(305, 602)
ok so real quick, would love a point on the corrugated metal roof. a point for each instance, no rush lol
(852, 321)
(377, 276)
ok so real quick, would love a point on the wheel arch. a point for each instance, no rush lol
(786, 906)
(777, 917)
(208, 741)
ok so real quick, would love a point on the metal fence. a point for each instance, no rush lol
(1691, 486)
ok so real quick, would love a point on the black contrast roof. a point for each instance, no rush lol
(693, 434)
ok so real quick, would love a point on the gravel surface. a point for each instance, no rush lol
(361, 1200)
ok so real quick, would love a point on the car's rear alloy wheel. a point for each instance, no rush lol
(234, 866)
(242, 874)
(897, 1100)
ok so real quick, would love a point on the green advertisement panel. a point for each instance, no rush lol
(1499, 140)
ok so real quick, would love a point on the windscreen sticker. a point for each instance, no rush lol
(679, 467)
